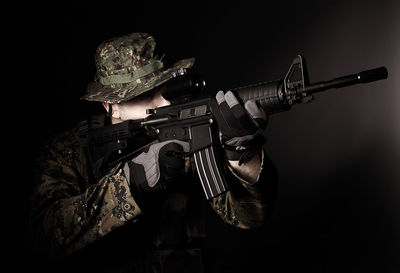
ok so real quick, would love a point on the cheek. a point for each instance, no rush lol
(137, 111)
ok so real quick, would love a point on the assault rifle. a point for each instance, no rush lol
(190, 118)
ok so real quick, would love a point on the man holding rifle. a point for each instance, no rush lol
(144, 214)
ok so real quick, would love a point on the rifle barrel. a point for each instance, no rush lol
(362, 77)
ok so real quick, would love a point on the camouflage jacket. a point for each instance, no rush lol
(70, 213)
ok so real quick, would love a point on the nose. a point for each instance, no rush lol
(159, 100)
(164, 102)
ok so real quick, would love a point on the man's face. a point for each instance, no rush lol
(136, 107)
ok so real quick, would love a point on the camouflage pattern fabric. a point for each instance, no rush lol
(69, 213)
(127, 67)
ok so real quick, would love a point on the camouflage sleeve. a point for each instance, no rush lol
(66, 215)
(248, 205)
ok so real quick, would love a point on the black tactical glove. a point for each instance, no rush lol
(156, 169)
(241, 129)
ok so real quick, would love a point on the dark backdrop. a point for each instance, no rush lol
(338, 157)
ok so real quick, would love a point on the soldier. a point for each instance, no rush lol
(144, 214)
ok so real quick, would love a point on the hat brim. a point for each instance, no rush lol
(117, 93)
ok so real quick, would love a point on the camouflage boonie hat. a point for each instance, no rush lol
(127, 67)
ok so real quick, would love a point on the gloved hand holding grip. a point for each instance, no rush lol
(241, 128)
(155, 170)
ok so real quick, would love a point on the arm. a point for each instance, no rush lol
(253, 178)
(66, 214)
(248, 205)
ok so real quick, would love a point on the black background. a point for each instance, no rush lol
(338, 157)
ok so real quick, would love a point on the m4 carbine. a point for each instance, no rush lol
(191, 117)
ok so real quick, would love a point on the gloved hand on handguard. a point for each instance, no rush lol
(241, 128)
